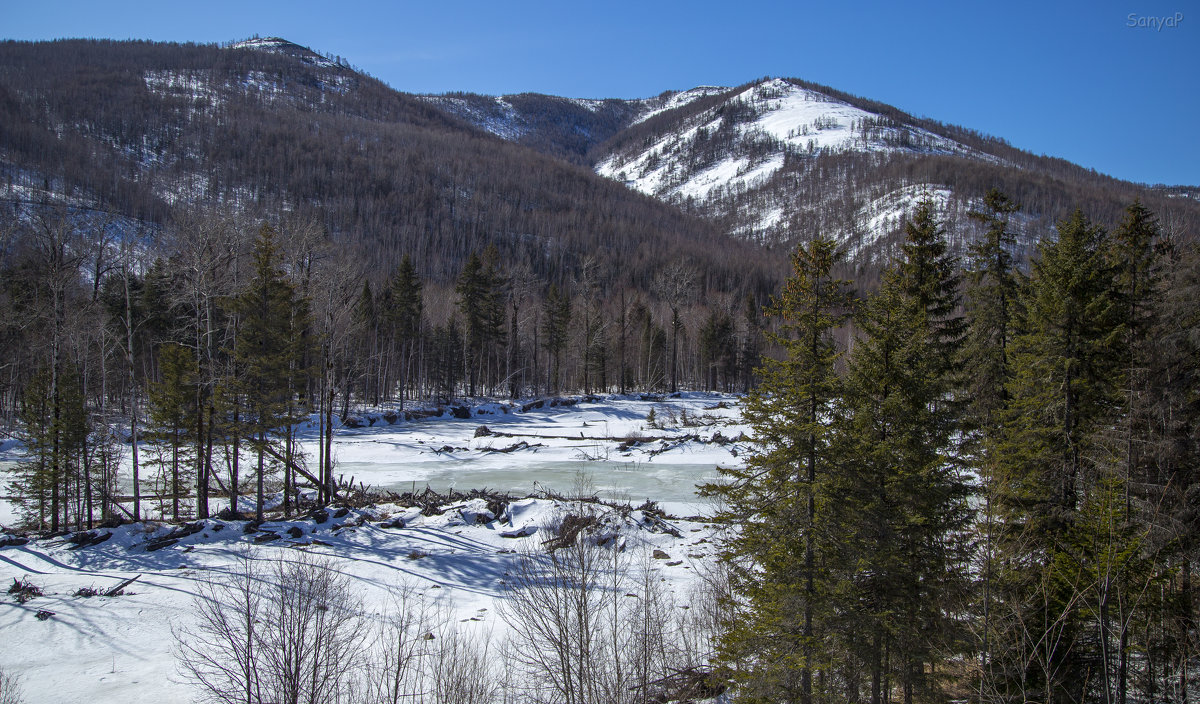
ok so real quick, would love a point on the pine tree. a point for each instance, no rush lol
(774, 500)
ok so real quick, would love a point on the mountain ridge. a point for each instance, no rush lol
(266, 121)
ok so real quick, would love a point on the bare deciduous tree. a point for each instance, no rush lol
(675, 285)
(589, 629)
(463, 670)
(401, 647)
(287, 633)
(11, 691)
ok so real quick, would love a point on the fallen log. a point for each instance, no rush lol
(119, 589)
(298, 469)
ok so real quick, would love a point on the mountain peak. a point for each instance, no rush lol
(268, 44)
(279, 45)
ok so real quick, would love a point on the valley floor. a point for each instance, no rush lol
(69, 648)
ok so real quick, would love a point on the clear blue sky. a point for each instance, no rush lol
(1068, 79)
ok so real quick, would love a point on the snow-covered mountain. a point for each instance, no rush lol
(769, 158)
(744, 140)
(779, 158)
(267, 123)
(776, 159)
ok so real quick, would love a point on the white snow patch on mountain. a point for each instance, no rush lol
(774, 115)
(261, 43)
(588, 103)
(196, 85)
(502, 121)
(680, 99)
(282, 46)
(886, 214)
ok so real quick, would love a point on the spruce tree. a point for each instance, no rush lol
(992, 283)
(173, 414)
(366, 330)
(557, 317)
(899, 500)
(774, 500)
(266, 353)
(1062, 388)
(1174, 457)
(991, 292)
(927, 275)
(405, 313)
(480, 300)
(1136, 259)
(53, 426)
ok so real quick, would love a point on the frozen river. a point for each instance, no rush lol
(582, 446)
(636, 481)
(561, 449)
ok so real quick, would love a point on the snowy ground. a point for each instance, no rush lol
(109, 649)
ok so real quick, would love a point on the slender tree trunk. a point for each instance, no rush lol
(258, 509)
(87, 482)
(876, 670)
(133, 401)
(175, 477)
(205, 467)
(235, 464)
(328, 441)
(56, 463)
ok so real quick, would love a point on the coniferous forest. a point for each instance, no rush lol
(989, 496)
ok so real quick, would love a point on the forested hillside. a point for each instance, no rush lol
(145, 130)
(973, 474)
(137, 175)
(777, 160)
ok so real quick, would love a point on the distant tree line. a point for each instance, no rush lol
(203, 345)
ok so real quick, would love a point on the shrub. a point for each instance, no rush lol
(290, 632)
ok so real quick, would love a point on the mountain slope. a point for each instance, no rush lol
(776, 159)
(267, 126)
(745, 139)
(565, 127)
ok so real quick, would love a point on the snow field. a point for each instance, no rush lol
(122, 648)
